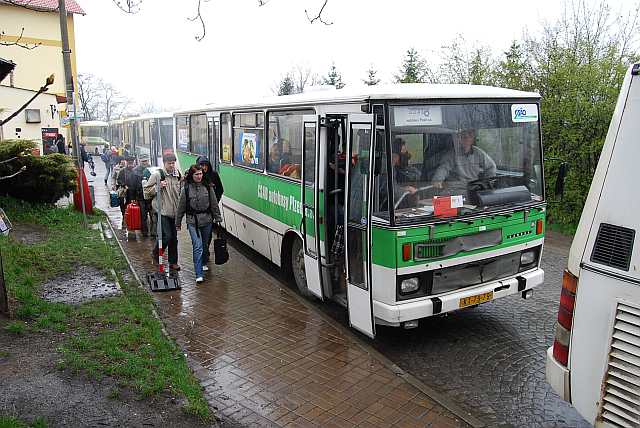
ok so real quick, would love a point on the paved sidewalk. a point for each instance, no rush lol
(266, 359)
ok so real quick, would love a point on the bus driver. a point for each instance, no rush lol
(468, 163)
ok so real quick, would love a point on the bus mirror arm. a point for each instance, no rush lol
(562, 175)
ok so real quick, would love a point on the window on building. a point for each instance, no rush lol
(182, 133)
(248, 134)
(225, 137)
(32, 115)
(285, 143)
(199, 134)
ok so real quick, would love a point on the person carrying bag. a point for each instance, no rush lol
(221, 254)
(198, 201)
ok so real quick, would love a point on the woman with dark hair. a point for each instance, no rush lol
(200, 204)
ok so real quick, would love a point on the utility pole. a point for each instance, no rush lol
(71, 100)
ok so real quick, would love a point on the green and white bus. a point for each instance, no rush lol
(399, 202)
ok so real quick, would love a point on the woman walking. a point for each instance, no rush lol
(198, 201)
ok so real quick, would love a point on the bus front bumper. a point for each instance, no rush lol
(558, 376)
(394, 315)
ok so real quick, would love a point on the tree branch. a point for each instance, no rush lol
(319, 16)
(17, 41)
(25, 105)
(21, 170)
(129, 6)
(199, 17)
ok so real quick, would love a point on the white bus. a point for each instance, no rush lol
(94, 134)
(399, 202)
(594, 362)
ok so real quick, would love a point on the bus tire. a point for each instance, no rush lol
(297, 267)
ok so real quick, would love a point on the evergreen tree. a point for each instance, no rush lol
(333, 78)
(286, 86)
(514, 71)
(414, 69)
(371, 77)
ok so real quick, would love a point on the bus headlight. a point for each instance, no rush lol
(527, 258)
(409, 285)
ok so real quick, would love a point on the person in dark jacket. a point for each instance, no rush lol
(60, 144)
(128, 180)
(214, 180)
(198, 201)
(142, 174)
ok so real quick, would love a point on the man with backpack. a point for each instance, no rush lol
(170, 181)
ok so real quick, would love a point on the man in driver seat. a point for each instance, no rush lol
(467, 163)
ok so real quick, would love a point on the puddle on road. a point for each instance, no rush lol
(86, 283)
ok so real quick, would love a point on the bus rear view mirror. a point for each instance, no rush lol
(562, 175)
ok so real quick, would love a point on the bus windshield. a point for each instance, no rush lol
(460, 159)
(94, 131)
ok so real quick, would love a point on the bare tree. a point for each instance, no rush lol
(302, 76)
(113, 104)
(89, 95)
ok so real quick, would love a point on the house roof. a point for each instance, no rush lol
(48, 5)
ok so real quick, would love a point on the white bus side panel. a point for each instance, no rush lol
(598, 294)
(590, 345)
(602, 171)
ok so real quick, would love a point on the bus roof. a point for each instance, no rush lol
(93, 123)
(149, 116)
(397, 91)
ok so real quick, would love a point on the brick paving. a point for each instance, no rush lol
(266, 359)
(493, 355)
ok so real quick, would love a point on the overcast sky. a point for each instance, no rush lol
(153, 57)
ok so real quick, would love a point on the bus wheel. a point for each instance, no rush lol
(297, 267)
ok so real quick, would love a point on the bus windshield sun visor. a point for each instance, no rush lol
(507, 195)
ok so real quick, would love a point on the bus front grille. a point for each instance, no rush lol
(621, 400)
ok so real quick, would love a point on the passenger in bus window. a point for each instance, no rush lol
(467, 163)
(402, 175)
(275, 156)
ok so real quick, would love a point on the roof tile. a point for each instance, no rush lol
(50, 5)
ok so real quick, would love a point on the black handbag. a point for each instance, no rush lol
(221, 254)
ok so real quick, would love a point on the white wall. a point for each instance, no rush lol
(18, 128)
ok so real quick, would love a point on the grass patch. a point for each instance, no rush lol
(16, 327)
(11, 422)
(117, 337)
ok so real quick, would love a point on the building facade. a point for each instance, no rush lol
(30, 37)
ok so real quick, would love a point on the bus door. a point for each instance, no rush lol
(358, 223)
(310, 216)
(155, 142)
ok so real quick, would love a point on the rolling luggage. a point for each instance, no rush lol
(114, 200)
(221, 254)
(133, 216)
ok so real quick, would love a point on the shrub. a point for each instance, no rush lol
(46, 179)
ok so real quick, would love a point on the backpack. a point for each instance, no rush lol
(106, 158)
(190, 210)
(145, 192)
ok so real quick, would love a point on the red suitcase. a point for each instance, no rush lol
(133, 216)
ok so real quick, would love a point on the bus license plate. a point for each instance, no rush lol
(476, 300)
